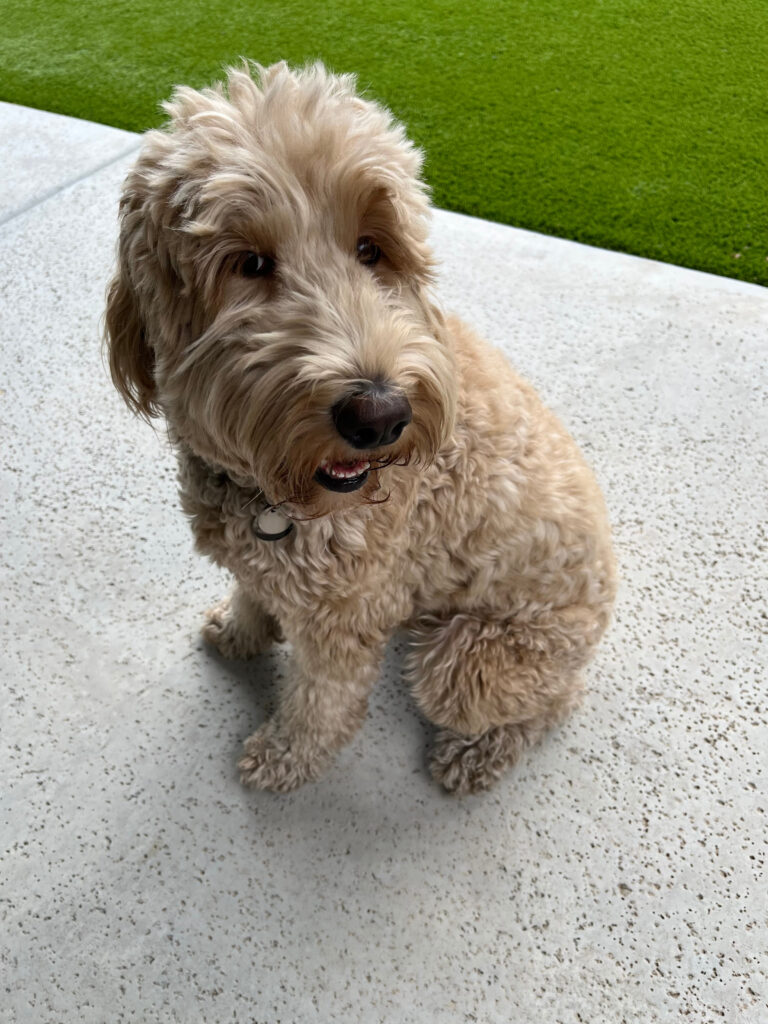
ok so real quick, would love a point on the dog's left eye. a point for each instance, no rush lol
(368, 253)
(254, 264)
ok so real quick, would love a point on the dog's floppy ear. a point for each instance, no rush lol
(131, 359)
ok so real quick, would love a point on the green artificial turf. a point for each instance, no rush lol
(638, 125)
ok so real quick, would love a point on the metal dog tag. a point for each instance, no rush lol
(271, 524)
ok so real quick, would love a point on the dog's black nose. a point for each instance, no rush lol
(373, 418)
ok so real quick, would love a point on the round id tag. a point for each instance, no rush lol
(271, 524)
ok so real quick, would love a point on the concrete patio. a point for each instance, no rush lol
(617, 875)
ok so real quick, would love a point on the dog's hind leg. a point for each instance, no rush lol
(495, 687)
(238, 627)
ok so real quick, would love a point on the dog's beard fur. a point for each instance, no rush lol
(247, 370)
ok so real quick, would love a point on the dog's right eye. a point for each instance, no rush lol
(254, 264)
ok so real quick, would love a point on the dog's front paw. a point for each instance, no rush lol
(464, 764)
(234, 638)
(270, 762)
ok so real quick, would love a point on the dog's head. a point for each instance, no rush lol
(271, 293)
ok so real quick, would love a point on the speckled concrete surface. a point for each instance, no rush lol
(616, 876)
(44, 152)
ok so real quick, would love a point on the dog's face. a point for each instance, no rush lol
(270, 299)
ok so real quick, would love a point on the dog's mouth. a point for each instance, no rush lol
(342, 476)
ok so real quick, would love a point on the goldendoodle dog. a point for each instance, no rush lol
(357, 459)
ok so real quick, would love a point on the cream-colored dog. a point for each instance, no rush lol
(357, 460)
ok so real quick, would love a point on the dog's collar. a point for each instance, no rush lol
(267, 521)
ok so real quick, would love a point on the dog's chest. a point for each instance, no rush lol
(316, 561)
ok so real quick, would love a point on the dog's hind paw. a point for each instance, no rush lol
(234, 638)
(463, 764)
(269, 762)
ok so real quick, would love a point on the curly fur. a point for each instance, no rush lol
(482, 528)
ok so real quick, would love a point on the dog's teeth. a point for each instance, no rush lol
(341, 472)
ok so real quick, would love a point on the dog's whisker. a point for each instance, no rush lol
(251, 500)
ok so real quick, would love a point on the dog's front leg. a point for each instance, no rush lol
(239, 627)
(321, 707)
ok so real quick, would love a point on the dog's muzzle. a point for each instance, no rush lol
(373, 417)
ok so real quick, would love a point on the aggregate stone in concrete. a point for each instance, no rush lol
(616, 875)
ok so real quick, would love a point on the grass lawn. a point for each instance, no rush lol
(638, 125)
